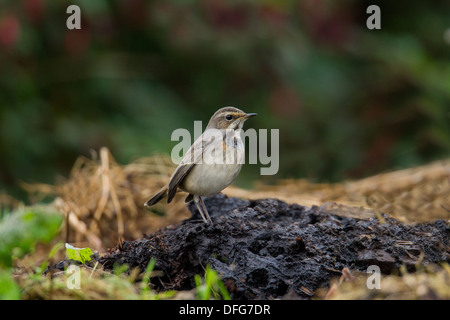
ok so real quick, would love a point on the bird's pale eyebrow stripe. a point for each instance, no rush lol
(233, 113)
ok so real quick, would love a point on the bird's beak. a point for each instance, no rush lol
(249, 115)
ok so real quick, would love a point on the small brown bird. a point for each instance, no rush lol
(212, 162)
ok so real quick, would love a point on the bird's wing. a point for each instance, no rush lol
(190, 159)
(177, 177)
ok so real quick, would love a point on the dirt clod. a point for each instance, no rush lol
(268, 249)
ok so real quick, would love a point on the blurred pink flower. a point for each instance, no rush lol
(9, 31)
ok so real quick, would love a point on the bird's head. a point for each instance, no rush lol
(229, 118)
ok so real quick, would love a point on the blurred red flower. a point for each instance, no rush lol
(9, 31)
(34, 10)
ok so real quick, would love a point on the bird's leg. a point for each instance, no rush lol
(205, 210)
(198, 199)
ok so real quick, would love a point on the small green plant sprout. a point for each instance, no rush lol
(145, 284)
(211, 287)
(146, 293)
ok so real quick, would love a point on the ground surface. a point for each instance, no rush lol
(266, 248)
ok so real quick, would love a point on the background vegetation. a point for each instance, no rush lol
(348, 101)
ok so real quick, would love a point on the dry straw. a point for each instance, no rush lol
(103, 201)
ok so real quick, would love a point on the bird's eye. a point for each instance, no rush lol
(228, 117)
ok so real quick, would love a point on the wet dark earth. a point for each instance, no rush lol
(266, 248)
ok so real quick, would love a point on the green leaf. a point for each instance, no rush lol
(22, 229)
(78, 254)
(9, 290)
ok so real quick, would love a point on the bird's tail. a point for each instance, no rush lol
(161, 194)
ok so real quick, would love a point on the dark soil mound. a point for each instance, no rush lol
(264, 248)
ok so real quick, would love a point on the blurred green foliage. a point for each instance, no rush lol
(21, 230)
(9, 290)
(348, 101)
